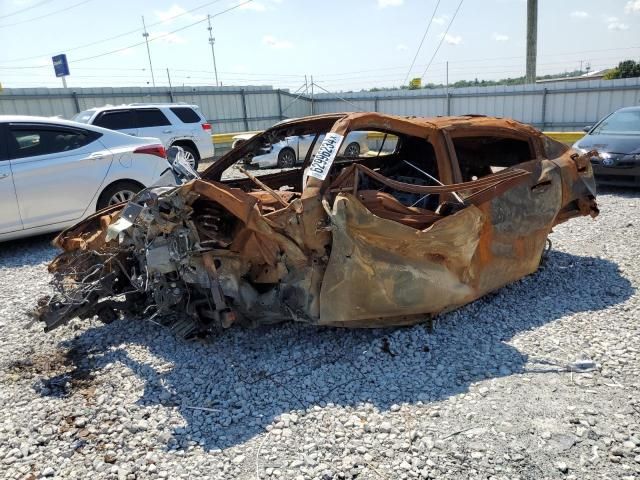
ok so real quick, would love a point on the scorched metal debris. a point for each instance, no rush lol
(439, 212)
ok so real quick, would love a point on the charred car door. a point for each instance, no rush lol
(403, 242)
(521, 218)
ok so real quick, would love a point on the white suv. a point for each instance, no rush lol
(175, 124)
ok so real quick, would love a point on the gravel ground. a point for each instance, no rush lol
(493, 392)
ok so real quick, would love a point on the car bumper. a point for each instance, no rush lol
(264, 161)
(206, 150)
(621, 176)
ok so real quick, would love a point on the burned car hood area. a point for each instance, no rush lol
(439, 212)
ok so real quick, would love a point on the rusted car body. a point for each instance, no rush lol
(459, 207)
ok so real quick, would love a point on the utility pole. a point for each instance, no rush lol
(532, 39)
(311, 94)
(447, 91)
(170, 87)
(306, 89)
(213, 53)
(447, 76)
(169, 78)
(145, 34)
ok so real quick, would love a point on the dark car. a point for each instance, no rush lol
(617, 140)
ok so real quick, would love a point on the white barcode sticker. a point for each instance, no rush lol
(325, 155)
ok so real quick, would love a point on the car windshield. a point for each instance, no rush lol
(623, 122)
(83, 117)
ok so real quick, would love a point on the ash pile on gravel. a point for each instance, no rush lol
(539, 380)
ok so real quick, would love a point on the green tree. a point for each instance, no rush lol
(625, 69)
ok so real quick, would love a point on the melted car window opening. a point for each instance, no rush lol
(482, 156)
(415, 163)
(405, 159)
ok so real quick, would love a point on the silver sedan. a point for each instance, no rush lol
(54, 172)
(292, 150)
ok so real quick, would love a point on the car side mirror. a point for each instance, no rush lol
(587, 128)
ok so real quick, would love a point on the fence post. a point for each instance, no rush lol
(448, 104)
(74, 94)
(544, 108)
(244, 109)
(279, 105)
(375, 103)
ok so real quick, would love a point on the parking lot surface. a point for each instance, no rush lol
(538, 380)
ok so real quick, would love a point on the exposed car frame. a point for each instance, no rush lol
(348, 247)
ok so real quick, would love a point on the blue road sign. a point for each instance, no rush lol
(60, 65)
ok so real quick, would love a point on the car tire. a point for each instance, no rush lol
(118, 192)
(352, 150)
(286, 158)
(193, 157)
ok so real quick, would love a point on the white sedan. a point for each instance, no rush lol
(54, 172)
(286, 153)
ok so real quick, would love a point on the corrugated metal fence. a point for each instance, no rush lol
(229, 109)
(556, 106)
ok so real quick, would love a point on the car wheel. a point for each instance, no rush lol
(191, 156)
(286, 158)
(352, 150)
(117, 193)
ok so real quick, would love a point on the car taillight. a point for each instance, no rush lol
(206, 126)
(157, 150)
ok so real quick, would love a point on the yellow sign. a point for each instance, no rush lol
(415, 82)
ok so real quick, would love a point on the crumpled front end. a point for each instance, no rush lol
(197, 258)
(578, 185)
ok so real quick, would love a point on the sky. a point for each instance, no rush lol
(345, 45)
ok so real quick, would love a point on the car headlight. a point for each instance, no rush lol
(579, 149)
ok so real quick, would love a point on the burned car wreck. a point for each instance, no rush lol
(439, 212)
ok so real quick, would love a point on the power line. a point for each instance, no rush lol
(422, 41)
(305, 92)
(79, 47)
(47, 15)
(338, 97)
(485, 59)
(352, 72)
(16, 12)
(289, 75)
(151, 39)
(442, 39)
